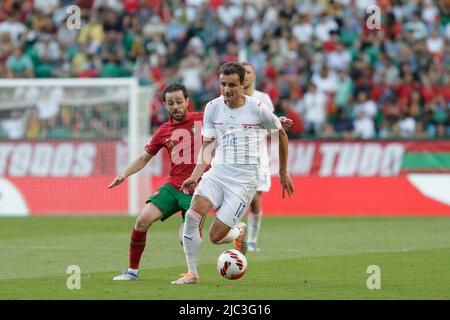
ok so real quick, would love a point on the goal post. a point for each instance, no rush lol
(115, 122)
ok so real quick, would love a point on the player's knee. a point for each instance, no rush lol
(215, 238)
(141, 226)
(143, 223)
(255, 205)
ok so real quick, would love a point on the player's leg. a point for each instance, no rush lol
(184, 202)
(180, 233)
(149, 214)
(254, 221)
(192, 239)
(227, 227)
(207, 195)
(256, 210)
(220, 233)
(159, 206)
(200, 227)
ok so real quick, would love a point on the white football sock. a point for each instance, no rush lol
(135, 271)
(192, 240)
(231, 235)
(254, 225)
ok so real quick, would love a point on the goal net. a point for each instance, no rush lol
(62, 141)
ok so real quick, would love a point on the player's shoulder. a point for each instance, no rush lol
(265, 98)
(197, 115)
(255, 103)
(215, 102)
(214, 105)
(164, 127)
(260, 94)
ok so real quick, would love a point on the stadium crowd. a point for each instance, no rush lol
(317, 59)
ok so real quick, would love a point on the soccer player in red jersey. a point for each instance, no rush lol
(180, 136)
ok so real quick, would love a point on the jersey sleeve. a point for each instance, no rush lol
(268, 102)
(268, 120)
(155, 143)
(208, 130)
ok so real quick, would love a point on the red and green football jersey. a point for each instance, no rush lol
(183, 142)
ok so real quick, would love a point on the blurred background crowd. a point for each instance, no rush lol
(318, 60)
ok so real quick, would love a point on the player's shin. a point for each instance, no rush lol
(254, 225)
(137, 246)
(192, 240)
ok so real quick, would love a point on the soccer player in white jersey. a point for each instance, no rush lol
(231, 130)
(256, 212)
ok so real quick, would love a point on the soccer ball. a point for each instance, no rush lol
(231, 264)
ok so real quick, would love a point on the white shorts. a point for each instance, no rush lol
(264, 182)
(232, 199)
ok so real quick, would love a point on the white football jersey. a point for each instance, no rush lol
(265, 157)
(239, 133)
(264, 98)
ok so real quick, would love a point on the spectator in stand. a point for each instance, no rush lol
(435, 45)
(364, 105)
(6, 47)
(19, 65)
(190, 71)
(406, 125)
(326, 81)
(343, 124)
(417, 27)
(313, 109)
(339, 58)
(13, 27)
(302, 29)
(290, 43)
(285, 109)
(364, 126)
(15, 125)
(344, 90)
(33, 125)
(228, 13)
(92, 34)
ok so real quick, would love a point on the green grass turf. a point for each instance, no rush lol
(301, 258)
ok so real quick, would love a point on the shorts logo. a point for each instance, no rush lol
(240, 210)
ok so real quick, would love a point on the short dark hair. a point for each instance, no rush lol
(233, 68)
(174, 87)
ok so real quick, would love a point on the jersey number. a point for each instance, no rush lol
(231, 140)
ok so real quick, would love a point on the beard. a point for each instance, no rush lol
(178, 116)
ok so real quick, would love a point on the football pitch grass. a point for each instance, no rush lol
(301, 258)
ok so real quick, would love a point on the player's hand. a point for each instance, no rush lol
(286, 123)
(117, 180)
(189, 185)
(286, 184)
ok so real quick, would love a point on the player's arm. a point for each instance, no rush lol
(206, 152)
(134, 167)
(285, 179)
(286, 122)
(271, 122)
(204, 159)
